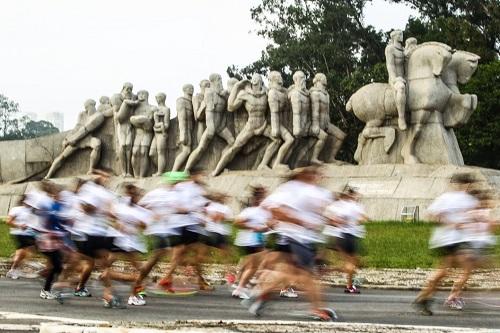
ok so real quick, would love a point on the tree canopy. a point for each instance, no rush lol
(330, 36)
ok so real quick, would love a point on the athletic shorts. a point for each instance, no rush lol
(450, 249)
(247, 250)
(303, 254)
(184, 237)
(24, 241)
(214, 239)
(94, 245)
(348, 244)
(160, 242)
(282, 248)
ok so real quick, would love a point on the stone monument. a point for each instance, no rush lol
(142, 122)
(185, 118)
(158, 150)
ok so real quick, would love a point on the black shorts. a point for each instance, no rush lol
(348, 244)
(24, 241)
(185, 237)
(160, 242)
(303, 254)
(247, 250)
(94, 245)
(282, 248)
(214, 239)
(449, 250)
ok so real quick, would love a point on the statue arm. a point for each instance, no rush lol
(389, 62)
(182, 119)
(141, 121)
(200, 111)
(274, 108)
(315, 106)
(125, 110)
(236, 98)
(295, 104)
(166, 120)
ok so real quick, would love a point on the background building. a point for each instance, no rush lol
(56, 118)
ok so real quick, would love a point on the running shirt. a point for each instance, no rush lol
(254, 217)
(160, 202)
(24, 216)
(189, 197)
(350, 213)
(477, 232)
(307, 203)
(218, 227)
(452, 209)
(130, 217)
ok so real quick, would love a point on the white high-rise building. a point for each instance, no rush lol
(56, 118)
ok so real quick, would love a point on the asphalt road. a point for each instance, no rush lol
(372, 306)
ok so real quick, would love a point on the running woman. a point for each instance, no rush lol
(346, 216)
(451, 211)
(23, 224)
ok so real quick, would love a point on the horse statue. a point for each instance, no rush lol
(433, 70)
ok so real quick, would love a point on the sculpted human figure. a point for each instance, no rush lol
(282, 138)
(213, 109)
(185, 118)
(161, 118)
(305, 123)
(142, 121)
(104, 104)
(123, 105)
(395, 62)
(197, 109)
(81, 138)
(320, 107)
(253, 97)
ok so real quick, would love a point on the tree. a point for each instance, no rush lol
(9, 124)
(326, 36)
(33, 129)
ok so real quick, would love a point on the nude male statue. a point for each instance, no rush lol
(142, 121)
(161, 118)
(320, 107)
(185, 118)
(395, 62)
(81, 138)
(253, 96)
(214, 112)
(123, 105)
(282, 138)
(197, 104)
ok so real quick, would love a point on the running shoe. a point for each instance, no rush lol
(136, 300)
(255, 305)
(423, 306)
(13, 274)
(166, 285)
(230, 278)
(240, 293)
(454, 303)
(114, 303)
(322, 315)
(140, 291)
(206, 287)
(44, 294)
(352, 290)
(289, 292)
(82, 292)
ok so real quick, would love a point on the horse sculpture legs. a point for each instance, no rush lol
(419, 119)
(373, 130)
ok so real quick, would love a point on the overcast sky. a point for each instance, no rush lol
(57, 53)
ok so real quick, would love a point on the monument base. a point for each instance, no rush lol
(386, 189)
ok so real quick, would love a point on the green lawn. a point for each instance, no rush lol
(387, 245)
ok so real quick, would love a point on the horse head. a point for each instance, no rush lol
(428, 60)
(465, 65)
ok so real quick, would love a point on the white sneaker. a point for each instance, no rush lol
(289, 292)
(241, 294)
(136, 300)
(44, 294)
(13, 274)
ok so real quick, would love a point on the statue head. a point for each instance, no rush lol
(397, 36)
(89, 106)
(466, 66)
(127, 90)
(410, 43)
(320, 79)
(204, 84)
(104, 100)
(188, 89)
(275, 78)
(215, 81)
(142, 96)
(161, 98)
(299, 80)
(230, 83)
(256, 80)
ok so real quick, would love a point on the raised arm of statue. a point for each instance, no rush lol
(236, 97)
(315, 112)
(274, 108)
(126, 109)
